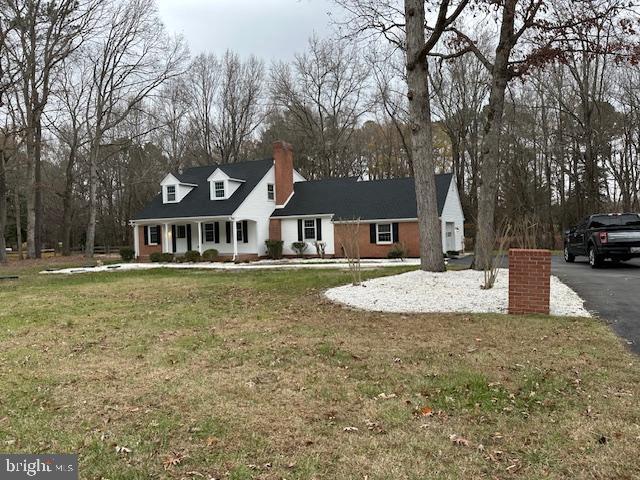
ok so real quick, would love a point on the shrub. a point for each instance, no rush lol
(397, 251)
(156, 257)
(159, 257)
(299, 248)
(210, 255)
(320, 248)
(127, 254)
(192, 256)
(274, 248)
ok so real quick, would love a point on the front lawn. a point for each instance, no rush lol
(203, 374)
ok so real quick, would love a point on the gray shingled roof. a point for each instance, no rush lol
(347, 199)
(198, 202)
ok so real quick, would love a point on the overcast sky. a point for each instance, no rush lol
(270, 29)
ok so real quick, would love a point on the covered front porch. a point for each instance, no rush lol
(231, 237)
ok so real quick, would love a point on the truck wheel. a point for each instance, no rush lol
(595, 260)
(568, 256)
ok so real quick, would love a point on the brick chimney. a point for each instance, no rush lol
(283, 164)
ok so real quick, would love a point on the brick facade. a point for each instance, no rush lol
(408, 236)
(529, 281)
(146, 250)
(275, 229)
(283, 169)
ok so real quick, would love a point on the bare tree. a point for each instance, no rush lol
(132, 59)
(43, 35)
(323, 97)
(204, 82)
(239, 105)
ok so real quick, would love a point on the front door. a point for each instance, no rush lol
(450, 235)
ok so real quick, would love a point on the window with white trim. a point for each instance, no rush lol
(218, 189)
(181, 231)
(171, 193)
(383, 233)
(310, 229)
(239, 234)
(209, 232)
(154, 234)
(271, 191)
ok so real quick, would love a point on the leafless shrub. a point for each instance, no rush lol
(526, 232)
(348, 237)
(320, 248)
(492, 266)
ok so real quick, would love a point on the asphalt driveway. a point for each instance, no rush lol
(612, 293)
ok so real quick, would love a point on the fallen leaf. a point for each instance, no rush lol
(173, 459)
(123, 450)
(459, 441)
(426, 411)
(350, 429)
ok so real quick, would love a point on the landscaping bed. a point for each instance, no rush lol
(451, 291)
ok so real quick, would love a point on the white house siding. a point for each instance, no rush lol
(181, 190)
(452, 212)
(257, 208)
(230, 186)
(289, 229)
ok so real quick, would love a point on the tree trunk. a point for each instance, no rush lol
(490, 153)
(431, 258)
(38, 193)
(93, 198)
(3, 209)
(16, 200)
(67, 203)
(31, 198)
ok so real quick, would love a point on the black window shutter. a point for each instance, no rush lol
(227, 226)
(189, 236)
(159, 227)
(173, 238)
(216, 232)
(245, 233)
(146, 235)
(318, 229)
(372, 232)
(395, 228)
(203, 228)
(299, 230)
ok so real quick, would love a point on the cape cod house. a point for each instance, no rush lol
(236, 207)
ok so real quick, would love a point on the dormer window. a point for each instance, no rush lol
(218, 189)
(171, 193)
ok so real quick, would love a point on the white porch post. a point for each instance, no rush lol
(235, 239)
(165, 239)
(200, 237)
(136, 240)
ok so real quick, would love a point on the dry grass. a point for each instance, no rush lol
(255, 375)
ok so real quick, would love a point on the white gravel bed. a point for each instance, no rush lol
(258, 265)
(451, 291)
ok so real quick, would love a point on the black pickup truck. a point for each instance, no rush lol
(614, 236)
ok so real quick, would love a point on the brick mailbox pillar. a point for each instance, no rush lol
(529, 281)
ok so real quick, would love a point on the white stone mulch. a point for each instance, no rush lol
(258, 265)
(451, 291)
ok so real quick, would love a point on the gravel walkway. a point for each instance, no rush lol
(452, 291)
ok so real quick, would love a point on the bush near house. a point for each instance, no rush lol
(398, 250)
(127, 254)
(159, 257)
(210, 255)
(274, 248)
(192, 256)
(299, 248)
